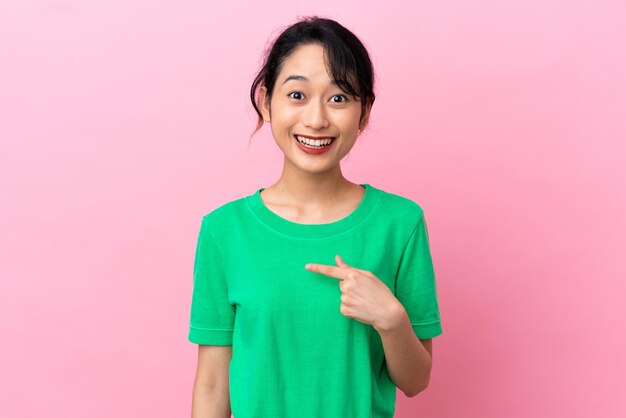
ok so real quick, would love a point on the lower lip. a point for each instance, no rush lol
(314, 151)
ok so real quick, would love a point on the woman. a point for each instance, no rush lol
(315, 296)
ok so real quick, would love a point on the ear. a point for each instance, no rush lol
(264, 104)
(366, 114)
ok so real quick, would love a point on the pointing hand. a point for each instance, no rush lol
(364, 296)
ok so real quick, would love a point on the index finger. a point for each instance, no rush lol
(331, 271)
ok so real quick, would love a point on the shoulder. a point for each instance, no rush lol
(401, 207)
(224, 214)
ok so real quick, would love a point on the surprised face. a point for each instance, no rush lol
(313, 121)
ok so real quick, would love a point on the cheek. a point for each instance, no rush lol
(282, 114)
(347, 121)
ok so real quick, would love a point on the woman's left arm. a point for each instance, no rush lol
(367, 299)
(409, 359)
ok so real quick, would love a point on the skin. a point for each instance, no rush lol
(312, 189)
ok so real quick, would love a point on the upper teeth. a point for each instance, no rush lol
(317, 142)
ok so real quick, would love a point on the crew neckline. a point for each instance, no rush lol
(314, 231)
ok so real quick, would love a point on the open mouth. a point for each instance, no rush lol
(314, 143)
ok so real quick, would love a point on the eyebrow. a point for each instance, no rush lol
(301, 77)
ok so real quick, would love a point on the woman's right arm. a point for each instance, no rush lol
(211, 394)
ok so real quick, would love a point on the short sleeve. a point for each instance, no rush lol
(212, 316)
(416, 288)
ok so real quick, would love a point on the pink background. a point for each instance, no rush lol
(123, 122)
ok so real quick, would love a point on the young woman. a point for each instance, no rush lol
(315, 296)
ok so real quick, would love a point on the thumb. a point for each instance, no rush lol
(340, 261)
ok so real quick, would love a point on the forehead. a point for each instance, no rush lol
(307, 61)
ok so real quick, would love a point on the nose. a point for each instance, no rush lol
(314, 116)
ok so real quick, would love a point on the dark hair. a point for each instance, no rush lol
(347, 58)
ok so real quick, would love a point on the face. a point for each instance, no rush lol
(305, 102)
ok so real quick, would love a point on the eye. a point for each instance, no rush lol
(345, 99)
(294, 92)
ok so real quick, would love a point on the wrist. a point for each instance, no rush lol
(393, 319)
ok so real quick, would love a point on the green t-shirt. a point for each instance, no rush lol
(295, 355)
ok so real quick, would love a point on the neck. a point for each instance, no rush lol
(311, 189)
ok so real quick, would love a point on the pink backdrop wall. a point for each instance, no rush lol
(123, 122)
